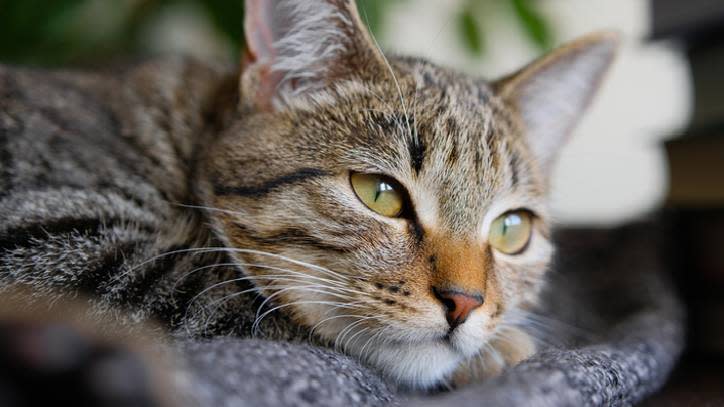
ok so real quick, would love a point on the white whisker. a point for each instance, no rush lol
(257, 322)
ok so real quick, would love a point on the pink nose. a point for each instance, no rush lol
(458, 304)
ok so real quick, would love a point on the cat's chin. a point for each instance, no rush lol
(420, 365)
(423, 359)
(416, 366)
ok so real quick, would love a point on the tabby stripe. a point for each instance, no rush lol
(514, 162)
(108, 266)
(23, 236)
(184, 293)
(269, 186)
(416, 230)
(168, 131)
(292, 236)
(147, 278)
(416, 148)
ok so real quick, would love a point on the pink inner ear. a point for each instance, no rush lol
(298, 46)
(259, 30)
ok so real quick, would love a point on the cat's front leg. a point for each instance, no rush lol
(510, 347)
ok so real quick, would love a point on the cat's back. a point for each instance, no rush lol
(84, 130)
(92, 169)
(53, 127)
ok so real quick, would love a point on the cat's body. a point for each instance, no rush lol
(167, 191)
(96, 182)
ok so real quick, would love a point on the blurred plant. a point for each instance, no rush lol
(533, 23)
(59, 32)
(471, 23)
(76, 31)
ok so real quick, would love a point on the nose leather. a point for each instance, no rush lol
(458, 304)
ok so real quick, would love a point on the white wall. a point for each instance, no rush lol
(614, 167)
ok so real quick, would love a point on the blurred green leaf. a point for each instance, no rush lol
(58, 32)
(533, 23)
(34, 27)
(228, 18)
(372, 13)
(470, 32)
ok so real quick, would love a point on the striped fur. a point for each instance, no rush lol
(93, 194)
(163, 192)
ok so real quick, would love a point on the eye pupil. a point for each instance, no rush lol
(382, 187)
(379, 193)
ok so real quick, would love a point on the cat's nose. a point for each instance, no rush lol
(458, 304)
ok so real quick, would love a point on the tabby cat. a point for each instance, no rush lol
(387, 206)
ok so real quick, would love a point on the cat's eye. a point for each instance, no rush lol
(381, 194)
(510, 232)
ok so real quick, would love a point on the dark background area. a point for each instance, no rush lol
(695, 206)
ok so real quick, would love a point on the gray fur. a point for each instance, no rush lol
(101, 199)
(96, 200)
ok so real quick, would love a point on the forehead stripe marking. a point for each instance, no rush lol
(295, 177)
(514, 163)
(416, 148)
(299, 237)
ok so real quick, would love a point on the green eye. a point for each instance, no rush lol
(380, 193)
(510, 232)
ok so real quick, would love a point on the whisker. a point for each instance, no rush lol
(338, 284)
(208, 208)
(553, 325)
(257, 322)
(359, 304)
(218, 303)
(350, 340)
(196, 250)
(312, 288)
(370, 340)
(346, 330)
(394, 78)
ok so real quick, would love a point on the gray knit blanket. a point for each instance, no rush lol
(612, 325)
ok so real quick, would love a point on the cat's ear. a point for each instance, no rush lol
(297, 47)
(551, 94)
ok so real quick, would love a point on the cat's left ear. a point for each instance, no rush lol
(551, 94)
(298, 47)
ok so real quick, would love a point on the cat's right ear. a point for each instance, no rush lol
(298, 47)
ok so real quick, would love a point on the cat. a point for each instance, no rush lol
(384, 205)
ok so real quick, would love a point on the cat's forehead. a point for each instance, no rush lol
(445, 137)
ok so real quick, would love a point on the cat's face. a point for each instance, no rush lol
(397, 209)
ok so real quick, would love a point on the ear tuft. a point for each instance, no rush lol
(299, 46)
(552, 93)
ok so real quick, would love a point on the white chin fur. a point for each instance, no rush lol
(414, 359)
(415, 365)
(422, 363)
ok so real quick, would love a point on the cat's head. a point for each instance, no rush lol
(396, 207)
